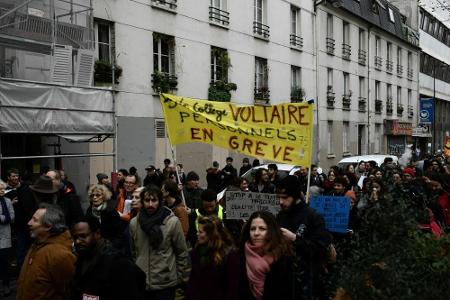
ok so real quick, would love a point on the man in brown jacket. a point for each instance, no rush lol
(49, 264)
(171, 195)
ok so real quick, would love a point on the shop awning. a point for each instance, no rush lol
(40, 108)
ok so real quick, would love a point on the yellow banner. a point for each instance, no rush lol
(281, 133)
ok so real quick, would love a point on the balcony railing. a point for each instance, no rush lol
(389, 107)
(362, 57)
(296, 41)
(330, 98)
(260, 30)
(410, 74)
(362, 104)
(170, 5)
(262, 96)
(219, 16)
(330, 45)
(164, 82)
(346, 51)
(410, 111)
(400, 109)
(378, 106)
(378, 63)
(6, 68)
(389, 66)
(399, 70)
(346, 101)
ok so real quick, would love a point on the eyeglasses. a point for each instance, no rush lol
(96, 195)
(130, 183)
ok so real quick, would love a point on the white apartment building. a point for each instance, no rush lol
(368, 79)
(434, 23)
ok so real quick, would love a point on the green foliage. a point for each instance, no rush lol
(389, 258)
(163, 82)
(221, 91)
(297, 94)
(103, 72)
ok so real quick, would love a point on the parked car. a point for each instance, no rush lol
(355, 160)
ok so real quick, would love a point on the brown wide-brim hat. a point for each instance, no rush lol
(44, 184)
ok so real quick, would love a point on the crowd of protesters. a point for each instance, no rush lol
(164, 237)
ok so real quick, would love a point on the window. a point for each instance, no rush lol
(261, 74)
(346, 33)
(362, 39)
(296, 77)
(391, 15)
(409, 60)
(399, 96)
(377, 90)
(409, 97)
(389, 91)
(163, 53)
(346, 84)
(258, 13)
(399, 56)
(345, 135)
(362, 91)
(377, 138)
(330, 137)
(377, 46)
(218, 12)
(103, 37)
(389, 51)
(329, 26)
(219, 64)
(330, 77)
(295, 21)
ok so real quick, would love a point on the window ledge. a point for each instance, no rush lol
(165, 7)
(346, 154)
(218, 24)
(331, 156)
(260, 37)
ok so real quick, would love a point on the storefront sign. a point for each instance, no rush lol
(421, 131)
(394, 127)
(426, 113)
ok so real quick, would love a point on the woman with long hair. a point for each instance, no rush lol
(99, 197)
(214, 263)
(266, 270)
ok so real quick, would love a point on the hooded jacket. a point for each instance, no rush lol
(47, 269)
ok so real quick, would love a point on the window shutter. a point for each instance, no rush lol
(160, 129)
(61, 67)
(85, 67)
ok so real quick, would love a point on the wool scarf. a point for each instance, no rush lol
(257, 265)
(97, 210)
(5, 211)
(150, 224)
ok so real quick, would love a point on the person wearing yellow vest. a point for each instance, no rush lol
(209, 206)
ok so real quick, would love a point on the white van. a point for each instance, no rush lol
(354, 160)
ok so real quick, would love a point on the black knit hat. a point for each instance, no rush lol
(101, 176)
(192, 176)
(289, 186)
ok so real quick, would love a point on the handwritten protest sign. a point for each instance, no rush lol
(335, 211)
(240, 205)
(281, 133)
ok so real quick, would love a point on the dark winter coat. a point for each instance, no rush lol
(108, 275)
(209, 281)
(310, 245)
(70, 204)
(279, 283)
(229, 175)
(269, 188)
(214, 179)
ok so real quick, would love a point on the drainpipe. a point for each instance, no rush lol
(368, 89)
(316, 67)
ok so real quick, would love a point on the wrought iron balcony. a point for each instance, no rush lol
(170, 5)
(389, 107)
(330, 98)
(330, 45)
(260, 30)
(410, 74)
(346, 51)
(399, 70)
(378, 106)
(378, 63)
(219, 16)
(346, 101)
(410, 111)
(362, 57)
(389, 66)
(400, 109)
(362, 104)
(296, 41)
(262, 95)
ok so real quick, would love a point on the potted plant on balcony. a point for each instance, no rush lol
(400, 109)
(103, 73)
(163, 82)
(297, 94)
(262, 95)
(221, 91)
(330, 96)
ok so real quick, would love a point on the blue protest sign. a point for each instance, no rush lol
(335, 211)
(426, 113)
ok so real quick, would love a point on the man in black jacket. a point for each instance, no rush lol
(306, 229)
(101, 271)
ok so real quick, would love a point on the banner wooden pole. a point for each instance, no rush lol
(309, 182)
